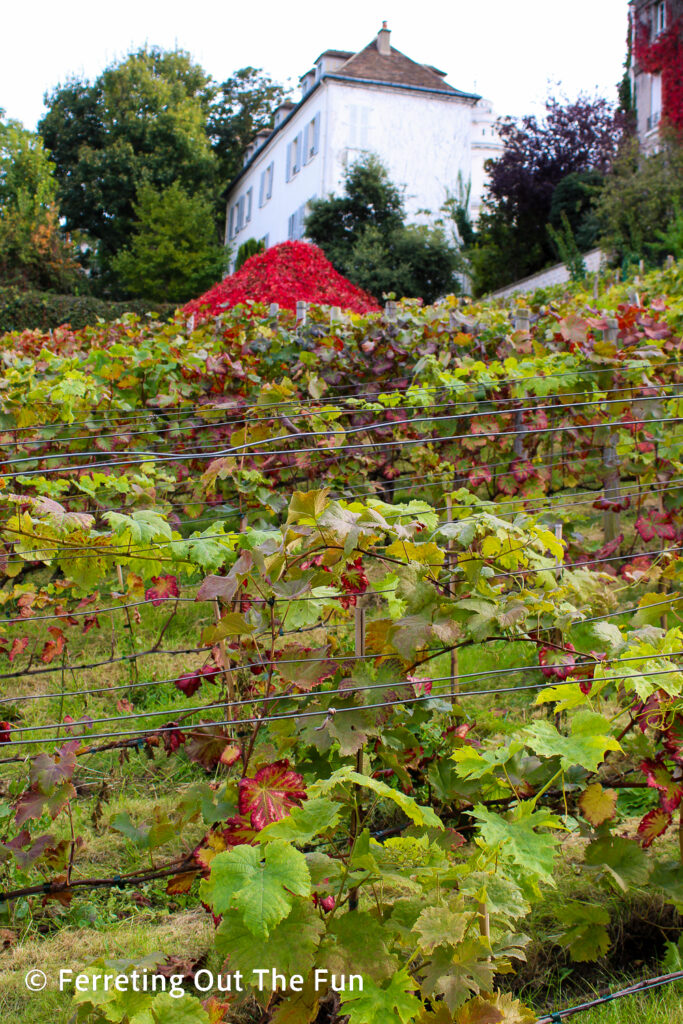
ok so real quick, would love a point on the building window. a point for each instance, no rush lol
(359, 127)
(658, 18)
(297, 220)
(294, 150)
(266, 185)
(311, 138)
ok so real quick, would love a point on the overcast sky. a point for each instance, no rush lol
(511, 52)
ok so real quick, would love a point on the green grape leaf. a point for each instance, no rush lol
(624, 859)
(586, 746)
(416, 812)
(393, 1001)
(290, 946)
(303, 823)
(586, 938)
(258, 882)
(531, 850)
(356, 943)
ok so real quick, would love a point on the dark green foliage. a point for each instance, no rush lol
(575, 197)
(363, 235)
(249, 248)
(142, 120)
(242, 106)
(33, 249)
(155, 118)
(174, 253)
(639, 206)
(574, 138)
(33, 310)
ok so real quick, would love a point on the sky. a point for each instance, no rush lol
(513, 53)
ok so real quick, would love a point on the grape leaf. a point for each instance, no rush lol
(623, 858)
(531, 850)
(259, 883)
(357, 944)
(416, 812)
(586, 746)
(586, 938)
(165, 587)
(436, 924)
(393, 1001)
(290, 945)
(597, 804)
(303, 823)
(271, 794)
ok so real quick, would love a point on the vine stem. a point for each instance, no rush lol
(359, 622)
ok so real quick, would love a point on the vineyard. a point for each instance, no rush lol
(345, 644)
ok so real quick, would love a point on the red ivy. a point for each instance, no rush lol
(287, 273)
(664, 55)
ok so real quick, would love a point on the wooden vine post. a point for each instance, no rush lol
(610, 458)
(455, 671)
(225, 666)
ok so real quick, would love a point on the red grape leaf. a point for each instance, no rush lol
(271, 794)
(165, 587)
(19, 645)
(655, 823)
(659, 777)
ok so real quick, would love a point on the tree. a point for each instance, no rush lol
(363, 234)
(143, 120)
(638, 209)
(175, 253)
(33, 249)
(240, 107)
(581, 136)
(250, 247)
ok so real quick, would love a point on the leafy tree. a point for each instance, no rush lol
(580, 136)
(363, 234)
(143, 120)
(240, 107)
(638, 206)
(33, 250)
(175, 253)
(247, 249)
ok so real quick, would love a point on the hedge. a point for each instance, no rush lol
(21, 310)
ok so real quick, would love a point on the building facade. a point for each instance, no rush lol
(429, 135)
(656, 56)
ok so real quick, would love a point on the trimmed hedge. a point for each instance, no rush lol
(27, 310)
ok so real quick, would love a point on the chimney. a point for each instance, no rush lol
(383, 40)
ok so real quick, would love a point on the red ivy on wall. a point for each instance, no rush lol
(664, 55)
(286, 273)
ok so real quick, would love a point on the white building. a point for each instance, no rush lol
(428, 134)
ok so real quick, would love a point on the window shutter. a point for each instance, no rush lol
(289, 162)
(316, 133)
(262, 188)
(231, 227)
(306, 144)
(270, 170)
(250, 195)
(299, 145)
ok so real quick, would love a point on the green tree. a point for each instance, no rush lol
(250, 247)
(364, 235)
(142, 121)
(33, 249)
(175, 253)
(639, 205)
(240, 107)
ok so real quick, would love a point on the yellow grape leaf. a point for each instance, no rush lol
(598, 804)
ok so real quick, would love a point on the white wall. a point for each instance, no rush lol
(272, 219)
(423, 139)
